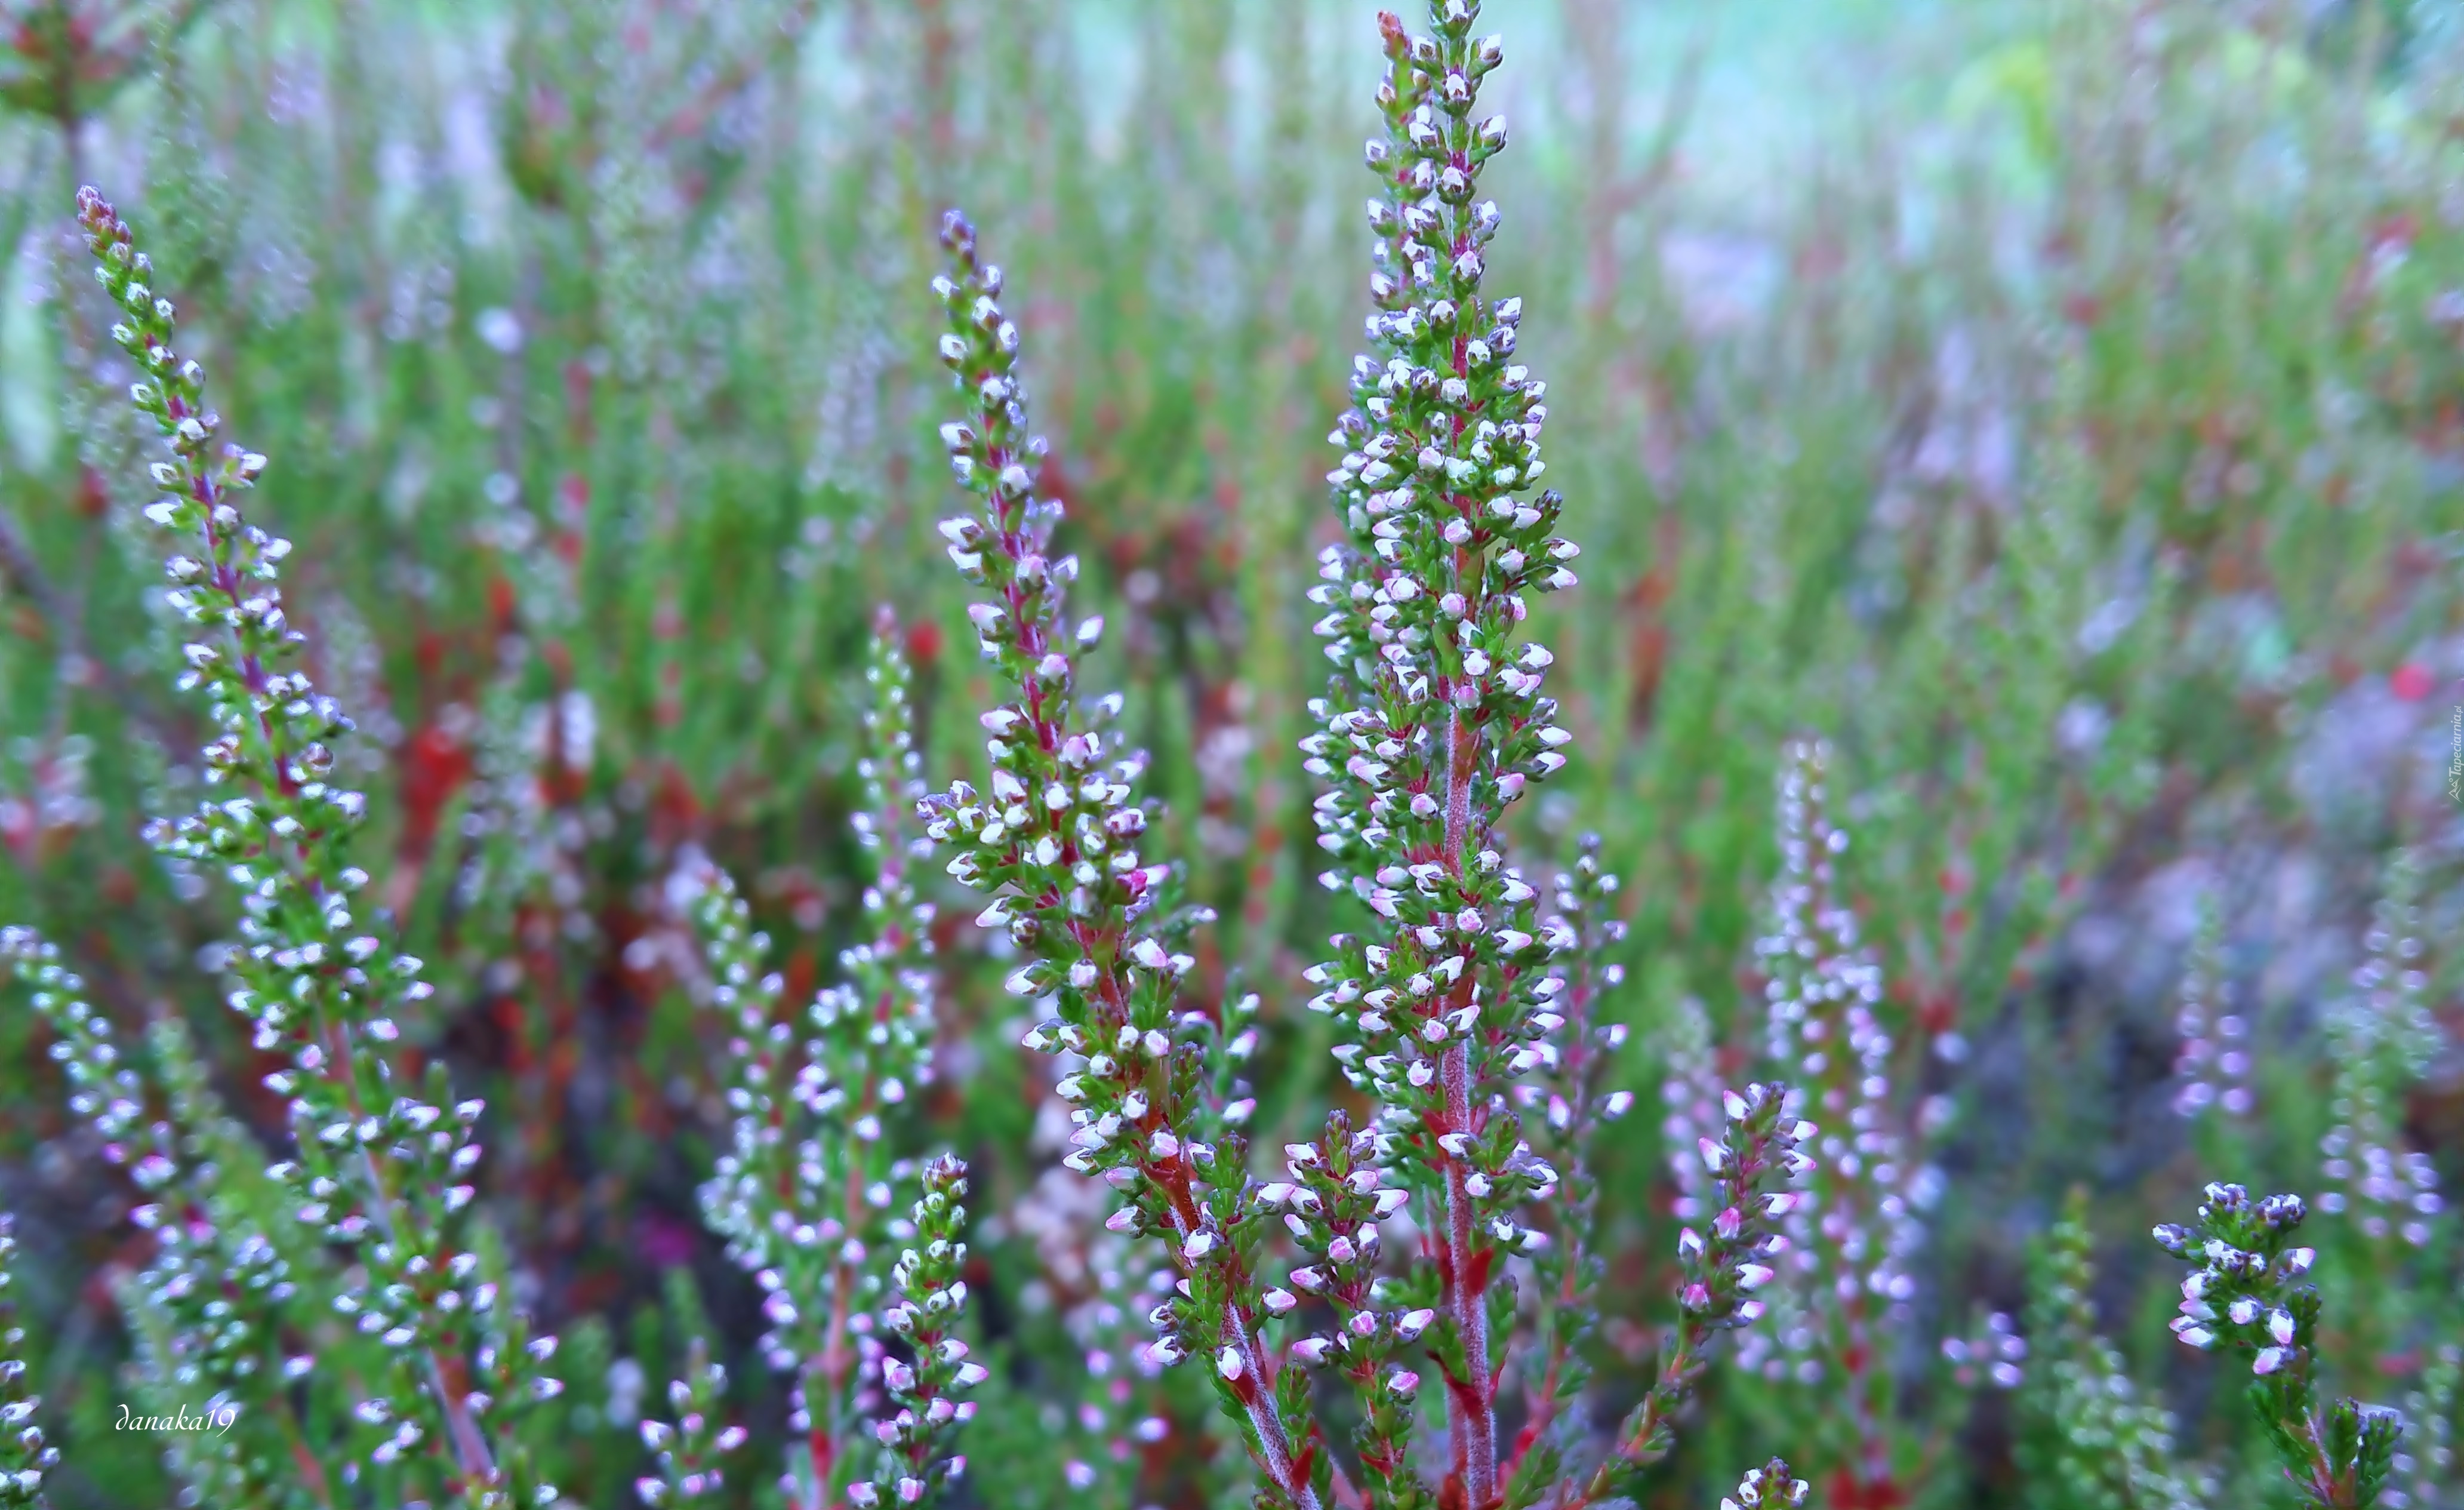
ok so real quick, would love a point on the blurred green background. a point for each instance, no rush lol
(2058, 406)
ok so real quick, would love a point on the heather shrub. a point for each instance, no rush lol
(519, 987)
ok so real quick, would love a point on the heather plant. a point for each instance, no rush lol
(378, 1169)
(1448, 998)
(2069, 442)
(806, 1194)
(1843, 1317)
(2247, 1297)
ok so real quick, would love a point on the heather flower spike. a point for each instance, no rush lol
(25, 1457)
(1436, 722)
(1056, 841)
(1858, 1218)
(2214, 1062)
(381, 1166)
(2247, 1297)
(1842, 1300)
(922, 1412)
(807, 1194)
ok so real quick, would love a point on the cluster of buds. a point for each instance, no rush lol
(2247, 1292)
(1154, 1102)
(806, 1194)
(2214, 1062)
(686, 1449)
(25, 1457)
(1773, 1486)
(377, 1168)
(921, 1408)
(2088, 1436)
(2247, 1295)
(1334, 1201)
(2383, 1040)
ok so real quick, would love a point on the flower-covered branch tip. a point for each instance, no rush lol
(2247, 1295)
(1436, 720)
(1055, 841)
(923, 1410)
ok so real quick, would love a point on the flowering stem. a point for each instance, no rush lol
(2246, 1295)
(1758, 1154)
(1056, 844)
(378, 1168)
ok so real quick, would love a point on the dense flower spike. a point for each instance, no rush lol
(1750, 1168)
(1435, 722)
(2085, 1434)
(2248, 1296)
(1056, 844)
(25, 1457)
(1859, 1225)
(688, 1449)
(379, 1166)
(806, 1194)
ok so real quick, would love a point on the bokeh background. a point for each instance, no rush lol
(2058, 406)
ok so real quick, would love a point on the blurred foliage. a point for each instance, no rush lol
(2072, 434)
